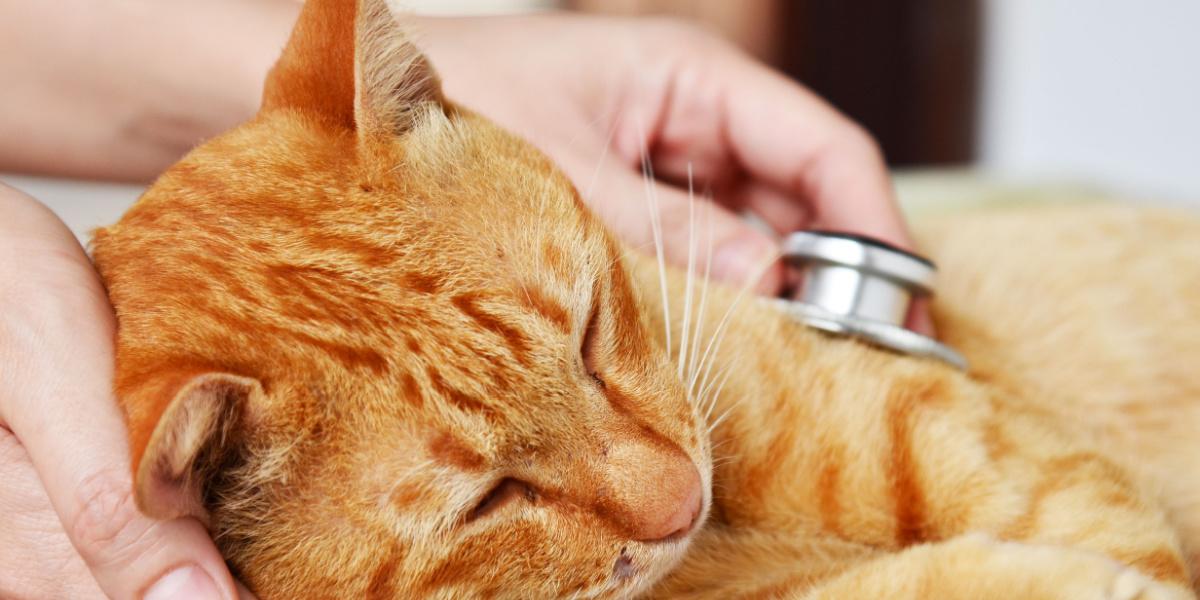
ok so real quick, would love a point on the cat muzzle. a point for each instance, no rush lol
(861, 287)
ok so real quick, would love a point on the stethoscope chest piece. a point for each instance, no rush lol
(861, 287)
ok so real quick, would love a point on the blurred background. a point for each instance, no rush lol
(973, 101)
(1096, 93)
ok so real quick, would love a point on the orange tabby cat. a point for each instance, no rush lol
(383, 350)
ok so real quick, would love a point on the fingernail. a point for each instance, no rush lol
(739, 259)
(184, 583)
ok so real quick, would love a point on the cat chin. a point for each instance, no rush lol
(635, 581)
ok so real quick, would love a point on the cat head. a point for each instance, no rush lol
(382, 349)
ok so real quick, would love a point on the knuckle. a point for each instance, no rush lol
(107, 524)
(857, 139)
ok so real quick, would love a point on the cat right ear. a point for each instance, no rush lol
(196, 430)
(315, 73)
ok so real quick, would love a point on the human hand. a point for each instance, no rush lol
(591, 92)
(68, 524)
(598, 94)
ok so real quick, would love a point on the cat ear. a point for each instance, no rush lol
(195, 432)
(395, 81)
(315, 73)
(352, 65)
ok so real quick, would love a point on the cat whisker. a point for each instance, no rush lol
(695, 351)
(689, 278)
(720, 419)
(711, 398)
(718, 335)
(703, 403)
(720, 444)
(725, 459)
(722, 461)
(612, 132)
(718, 487)
(728, 410)
(703, 390)
(656, 227)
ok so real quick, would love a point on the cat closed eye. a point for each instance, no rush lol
(588, 349)
(506, 492)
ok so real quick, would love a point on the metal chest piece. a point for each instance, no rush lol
(861, 287)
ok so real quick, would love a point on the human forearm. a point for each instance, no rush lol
(119, 90)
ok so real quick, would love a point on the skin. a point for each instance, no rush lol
(109, 103)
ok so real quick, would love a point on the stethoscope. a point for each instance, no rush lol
(856, 286)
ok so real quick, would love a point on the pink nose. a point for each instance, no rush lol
(649, 491)
(679, 521)
(670, 503)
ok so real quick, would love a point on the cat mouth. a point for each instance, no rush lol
(641, 565)
(623, 567)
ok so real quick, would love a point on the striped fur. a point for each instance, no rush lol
(844, 471)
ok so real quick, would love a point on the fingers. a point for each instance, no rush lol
(57, 331)
(725, 112)
(784, 135)
(777, 208)
(691, 225)
(807, 165)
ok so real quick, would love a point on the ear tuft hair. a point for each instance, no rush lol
(394, 79)
(350, 64)
(195, 431)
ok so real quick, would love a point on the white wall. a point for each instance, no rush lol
(1100, 91)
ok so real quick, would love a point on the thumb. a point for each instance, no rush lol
(692, 230)
(132, 556)
(56, 398)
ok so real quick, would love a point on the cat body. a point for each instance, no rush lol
(901, 477)
(383, 350)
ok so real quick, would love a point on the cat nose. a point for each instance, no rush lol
(655, 495)
(676, 522)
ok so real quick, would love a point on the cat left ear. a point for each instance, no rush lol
(195, 433)
(394, 81)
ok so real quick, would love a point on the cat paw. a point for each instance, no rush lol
(1131, 584)
(1059, 572)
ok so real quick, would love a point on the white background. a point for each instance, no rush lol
(1100, 91)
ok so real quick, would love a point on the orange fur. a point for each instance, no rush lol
(1073, 438)
(383, 349)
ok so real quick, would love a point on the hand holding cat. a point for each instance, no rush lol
(71, 529)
